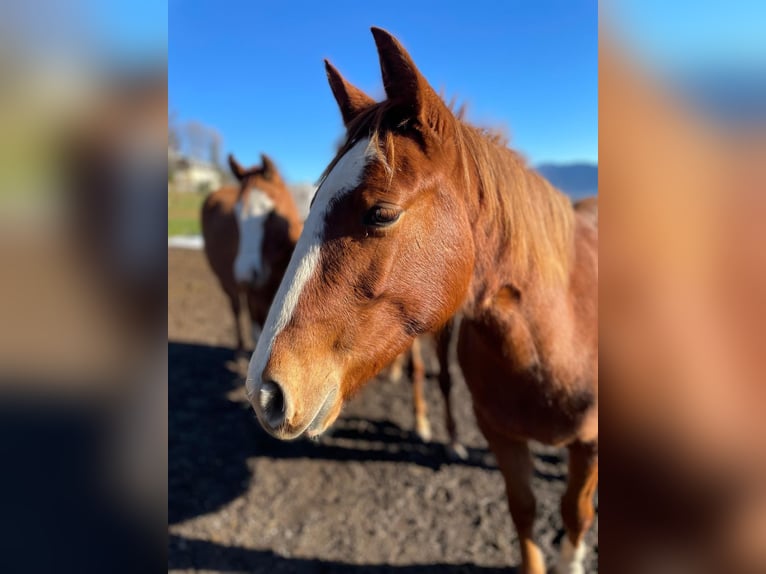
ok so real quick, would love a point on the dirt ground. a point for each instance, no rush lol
(368, 497)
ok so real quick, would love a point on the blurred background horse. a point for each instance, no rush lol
(249, 232)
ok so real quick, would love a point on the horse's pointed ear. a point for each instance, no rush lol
(351, 100)
(401, 79)
(268, 167)
(236, 169)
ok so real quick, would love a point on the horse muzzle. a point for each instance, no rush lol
(277, 413)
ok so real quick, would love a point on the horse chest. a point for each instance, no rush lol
(517, 389)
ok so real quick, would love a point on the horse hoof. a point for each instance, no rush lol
(570, 558)
(457, 451)
(424, 430)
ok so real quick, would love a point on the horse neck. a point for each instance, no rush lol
(495, 232)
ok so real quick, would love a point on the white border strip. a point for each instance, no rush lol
(186, 242)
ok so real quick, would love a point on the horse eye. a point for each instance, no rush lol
(381, 216)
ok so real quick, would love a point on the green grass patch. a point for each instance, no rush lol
(183, 212)
(183, 227)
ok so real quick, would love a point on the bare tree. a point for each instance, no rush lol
(174, 139)
(197, 138)
(215, 147)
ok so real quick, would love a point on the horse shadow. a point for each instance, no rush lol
(188, 554)
(213, 435)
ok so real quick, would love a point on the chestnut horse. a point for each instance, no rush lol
(250, 231)
(421, 215)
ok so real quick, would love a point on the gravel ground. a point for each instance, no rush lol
(368, 497)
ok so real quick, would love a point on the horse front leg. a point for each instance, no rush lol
(422, 426)
(396, 368)
(235, 304)
(577, 506)
(258, 310)
(515, 462)
(443, 344)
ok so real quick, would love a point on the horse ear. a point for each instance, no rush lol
(351, 100)
(268, 167)
(401, 79)
(238, 171)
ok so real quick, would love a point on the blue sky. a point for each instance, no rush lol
(685, 35)
(712, 54)
(136, 29)
(254, 70)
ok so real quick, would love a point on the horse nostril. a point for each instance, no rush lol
(272, 402)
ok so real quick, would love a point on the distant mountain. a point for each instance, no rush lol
(736, 95)
(575, 179)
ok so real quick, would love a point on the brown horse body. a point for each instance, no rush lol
(418, 217)
(531, 362)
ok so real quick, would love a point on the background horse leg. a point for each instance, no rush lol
(257, 311)
(422, 426)
(443, 345)
(515, 463)
(234, 302)
(396, 369)
(577, 505)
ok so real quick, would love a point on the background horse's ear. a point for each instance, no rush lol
(268, 167)
(401, 79)
(351, 100)
(238, 171)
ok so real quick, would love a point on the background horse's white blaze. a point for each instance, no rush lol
(344, 177)
(251, 220)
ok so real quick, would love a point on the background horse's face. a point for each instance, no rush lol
(385, 254)
(262, 193)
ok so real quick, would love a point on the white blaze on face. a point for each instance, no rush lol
(255, 331)
(251, 219)
(344, 177)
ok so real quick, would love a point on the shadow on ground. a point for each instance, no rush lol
(212, 435)
(188, 554)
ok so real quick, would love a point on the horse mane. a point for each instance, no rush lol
(534, 221)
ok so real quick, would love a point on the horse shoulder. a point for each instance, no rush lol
(521, 359)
